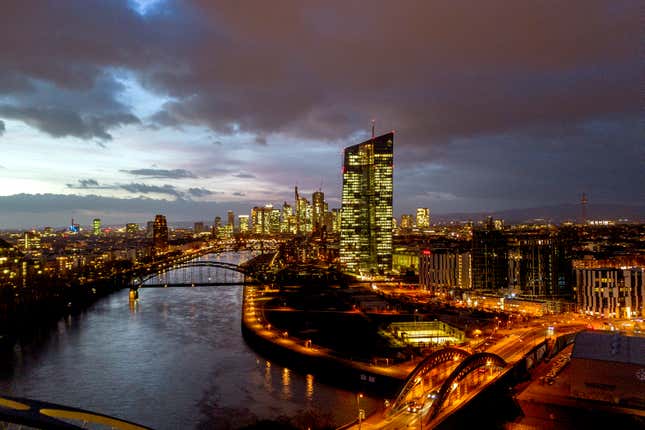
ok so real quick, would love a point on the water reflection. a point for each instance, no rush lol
(173, 359)
(309, 393)
(286, 384)
(267, 377)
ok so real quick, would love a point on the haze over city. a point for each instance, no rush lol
(125, 109)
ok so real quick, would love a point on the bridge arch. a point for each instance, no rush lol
(193, 264)
(469, 365)
(433, 360)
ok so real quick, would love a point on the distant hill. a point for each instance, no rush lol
(555, 214)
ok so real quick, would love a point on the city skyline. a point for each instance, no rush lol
(123, 110)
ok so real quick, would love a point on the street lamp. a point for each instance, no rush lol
(359, 396)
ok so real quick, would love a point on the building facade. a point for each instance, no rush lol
(489, 259)
(423, 218)
(366, 213)
(610, 292)
(160, 234)
(443, 270)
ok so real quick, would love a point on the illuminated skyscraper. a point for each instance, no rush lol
(244, 223)
(287, 215)
(318, 202)
(423, 217)
(96, 227)
(406, 221)
(217, 227)
(160, 234)
(366, 213)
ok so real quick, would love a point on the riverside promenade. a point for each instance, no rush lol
(357, 375)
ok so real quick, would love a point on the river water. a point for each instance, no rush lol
(174, 360)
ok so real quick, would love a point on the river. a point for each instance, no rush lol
(176, 359)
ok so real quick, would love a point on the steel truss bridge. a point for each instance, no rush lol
(188, 262)
(189, 274)
(459, 362)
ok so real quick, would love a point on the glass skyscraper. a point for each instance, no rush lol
(366, 213)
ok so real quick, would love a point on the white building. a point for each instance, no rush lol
(610, 292)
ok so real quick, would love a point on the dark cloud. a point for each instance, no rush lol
(244, 175)
(459, 81)
(151, 189)
(59, 122)
(199, 192)
(2, 128)
(90, 184)
(161, 173)
(238, 193)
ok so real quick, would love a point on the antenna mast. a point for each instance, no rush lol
(583, 207)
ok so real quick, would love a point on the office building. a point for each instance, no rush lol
(198, 228)
(96, 226)
(489, 258)
(160, 234)
(445, 269)
(230, 221)
(423, 218)
(287, 219)
(244, 223)
(610, 292)
(318, 209)
(217, 230)
(366, 213)
(406, 222)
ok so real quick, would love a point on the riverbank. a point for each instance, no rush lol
(379, 380)
(31, 318)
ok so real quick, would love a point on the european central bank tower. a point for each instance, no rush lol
(366, 213)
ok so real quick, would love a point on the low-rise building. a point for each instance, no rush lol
(609, 367)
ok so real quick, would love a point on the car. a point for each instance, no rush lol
(412, 407)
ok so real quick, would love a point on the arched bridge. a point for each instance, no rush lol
(431, 362)
(191, 281)
(470, 364)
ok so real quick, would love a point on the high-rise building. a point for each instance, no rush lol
(318, 209)
(489, 258)
(423, 217)
(303, 215)
(230, 219)
(132, 228)
(160, 234)
(274, 225)
(198, 228)
(244, 223)
(406, 222)
(150, 229)
(287, 216)
(96, 227)
(261, 219)
(217, 227)
(366, 218)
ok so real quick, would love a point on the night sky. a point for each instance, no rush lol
(120, 110)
